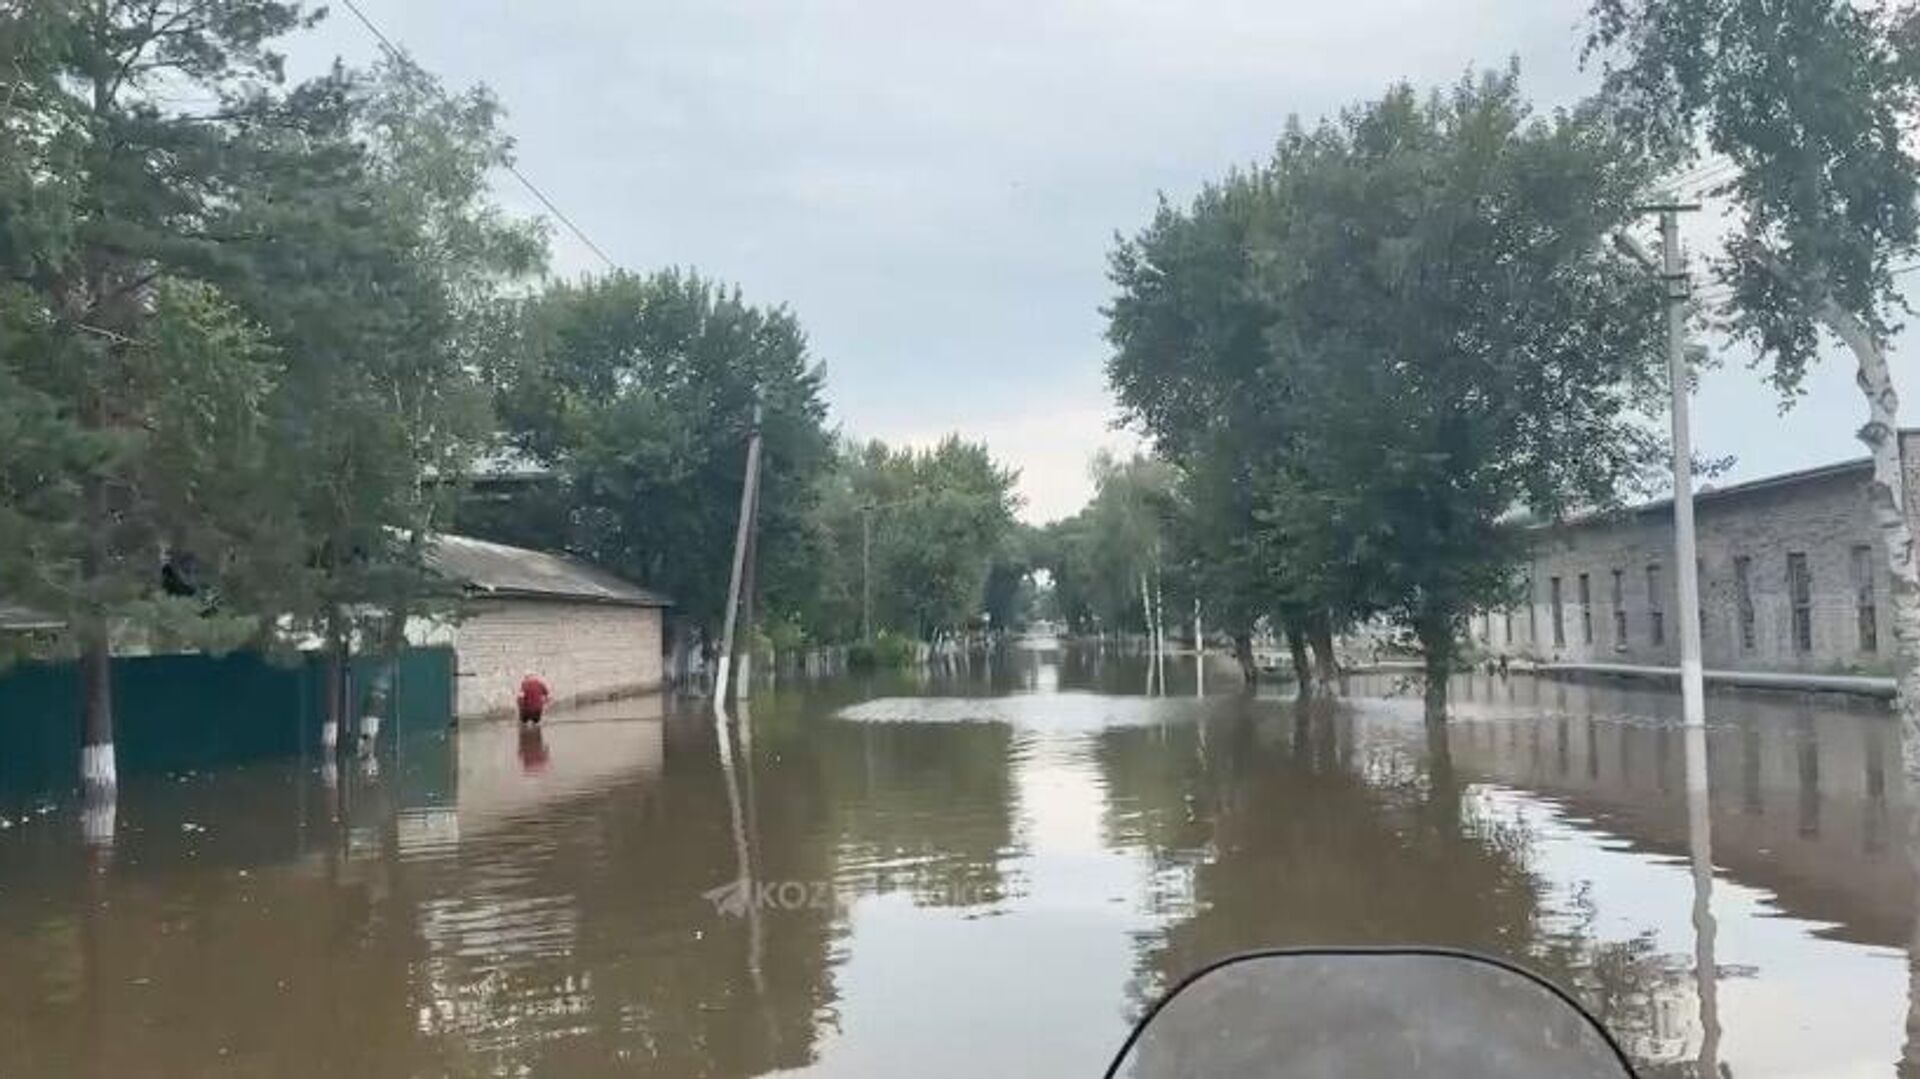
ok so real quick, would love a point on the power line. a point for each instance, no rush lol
(399, 55)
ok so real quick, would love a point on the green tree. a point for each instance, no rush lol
(639, 392)
(1444, 337)
(940, 521)
(1193, 365)
(365, 240)
(133, 391)
(1108, 562)
(1814, 102)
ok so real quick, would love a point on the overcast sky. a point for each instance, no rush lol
(933, 187)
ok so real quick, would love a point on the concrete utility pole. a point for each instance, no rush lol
(1673, 273)
(1199, 653)
(743, 666)
(749, 491)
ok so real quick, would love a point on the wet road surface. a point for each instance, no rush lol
(982, 874)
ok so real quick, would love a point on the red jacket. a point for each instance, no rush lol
(533, 693)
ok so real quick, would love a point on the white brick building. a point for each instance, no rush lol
(588, 634)
(1792, 578)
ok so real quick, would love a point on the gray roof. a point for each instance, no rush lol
(495, 569)
(1709, 494)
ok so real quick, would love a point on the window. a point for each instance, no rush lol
(1743, 598)
(1866, 611)
(1800, 594)
(1586, 609)
(1559, 614)
(1619, 611)
(1656, 617)
(1506, 617)
(1533, 616)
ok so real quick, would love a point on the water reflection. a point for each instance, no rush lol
(957, 874)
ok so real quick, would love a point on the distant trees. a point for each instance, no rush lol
(924, 537)
(1107, 562)
(1367, 353)
(637, 393)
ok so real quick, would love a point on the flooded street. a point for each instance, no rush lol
(985, 875)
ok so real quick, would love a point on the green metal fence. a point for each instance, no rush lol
(196, 712)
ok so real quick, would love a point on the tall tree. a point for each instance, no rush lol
(1465, 339)
(1814, 102)
(937, 521)
(1439, 335)
(366, 241)
(640, 392)
(133, 389)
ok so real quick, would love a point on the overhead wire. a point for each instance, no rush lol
(399, 55)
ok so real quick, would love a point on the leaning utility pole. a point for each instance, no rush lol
(1673, 275)
(749, 491)
(743, 666)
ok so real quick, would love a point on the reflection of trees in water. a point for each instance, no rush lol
(570, 939)
(922, 807)
(1295, 831)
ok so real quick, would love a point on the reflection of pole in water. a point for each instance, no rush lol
(1700, 845)
(756, 941)
(743, 862)
(1910, 1047)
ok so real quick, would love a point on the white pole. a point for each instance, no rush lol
(1146, 614)
(725, 667)
(1692, 683)
(1199, 653)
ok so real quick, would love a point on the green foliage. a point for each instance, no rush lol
(365, 241)
(639, 392)
(240, 327)
(1366, 354)
(941, 524)
(1097, 559)
(1815, 102)
(131, 426)
(889, 650)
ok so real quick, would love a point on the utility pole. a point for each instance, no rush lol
(1673, 275)
(749, 490)
(866, 574)
(1199, 653)
(743, 667)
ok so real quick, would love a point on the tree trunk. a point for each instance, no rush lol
(1886, 495)
(1302, 669)
(99, 771)
(336, 675)
(1320, 640)
(1243, 655)
(1437, 645)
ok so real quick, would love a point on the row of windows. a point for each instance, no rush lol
(1799, 578)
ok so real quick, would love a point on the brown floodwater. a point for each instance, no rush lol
(979, 874)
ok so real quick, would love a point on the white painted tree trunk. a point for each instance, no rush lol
(1146, 615)
(1886, 496)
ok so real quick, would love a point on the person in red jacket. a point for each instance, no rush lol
(533, 698)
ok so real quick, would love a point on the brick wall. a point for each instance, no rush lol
(1822, 517)
(583, 651)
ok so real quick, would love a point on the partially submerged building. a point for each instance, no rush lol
(1793, 577)
(588, 634)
